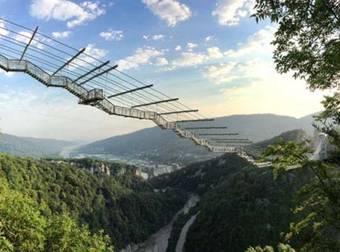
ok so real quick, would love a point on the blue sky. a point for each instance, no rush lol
(211, 54)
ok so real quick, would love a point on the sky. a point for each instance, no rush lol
(210, 54)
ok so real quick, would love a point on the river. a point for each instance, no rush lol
(183, 236)
(158, 242)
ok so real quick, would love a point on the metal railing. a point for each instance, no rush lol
(98, 83)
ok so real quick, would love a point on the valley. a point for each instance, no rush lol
(145, 206)
(140, 212)
(169, 126)
(157, 151)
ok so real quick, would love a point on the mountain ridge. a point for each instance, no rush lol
(164, 147)
(31, 146)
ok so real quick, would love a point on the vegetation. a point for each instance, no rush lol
(308, 44)
(307, 40)
(248, 208)
(199, 178)
(124, 206)
(256, 149)
(26, 225)
(318, 227)
(177, 227)
(241, 204)
(176, 231)
(280, 248)
(237, 198)
(46, 205)
(88, 205)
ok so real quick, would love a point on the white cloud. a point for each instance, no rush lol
(247, 66)
(209, 38)
(245, 71)
(214, 53)
(178, 48)
(192, 59)
(92, 50)
(189, 59)
(7, 74)
(258, 43)
(153, 37)
(171, 11)
(236, 73)
(229, 12)
(191, 46)
(253, 86)
(3, 32)
(95, 52)
(268, 91)
(66, 10)
(60, 35)
(142, 56)
(158, 37)
(25, 37)
(221, 73)
(161, 61)
(111, 35)
(54, 113)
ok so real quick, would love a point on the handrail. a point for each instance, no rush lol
(25, 66)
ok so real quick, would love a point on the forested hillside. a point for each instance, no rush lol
(247, 209)
(123, 205)
(241, 204)
(29, 226)
(298, 135)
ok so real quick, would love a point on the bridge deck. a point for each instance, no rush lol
(99, 84)
(25, 66)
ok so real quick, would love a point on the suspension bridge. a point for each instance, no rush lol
(102, 85)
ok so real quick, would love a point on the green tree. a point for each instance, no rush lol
(63, 235)
(307, 43)
(21, 224)
(26, 225)
(123, 205)
(318, 201)
(280, 248)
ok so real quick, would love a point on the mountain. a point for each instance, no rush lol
(33, 147)
(165, 147)
(260, 127)
(149, 144)
(297, 135)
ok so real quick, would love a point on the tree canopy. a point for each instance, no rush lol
(26, 226)
(307, 43)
